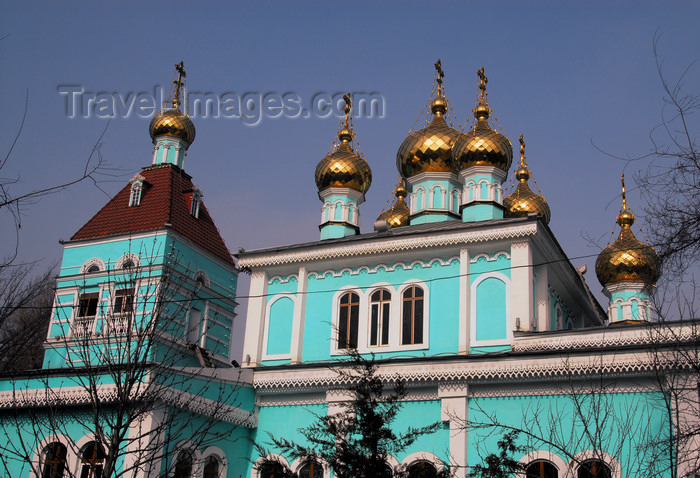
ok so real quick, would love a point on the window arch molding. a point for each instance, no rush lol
(419, 456)
(393, 318)
(299, 462)
(362, 317)
(126, 259)
(218, 453)
(542, 455)
(187, 446)
(42, 448)
(608, 459)
(89, 266)
(272, 457)
(426, 308)
(266, 325)
(473, 312)
(202, 277)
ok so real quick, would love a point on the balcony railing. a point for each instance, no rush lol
(82, 327)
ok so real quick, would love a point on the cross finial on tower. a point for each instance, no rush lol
(348, 105)
(439, 75)
(522, 150)
(624, 196)
(482, 83)
(179, 83)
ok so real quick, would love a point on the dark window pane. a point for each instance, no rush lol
(211, 467)
(87, 305)
(183, 465)
(418, 321)
(343, 327)
(54, 461)
(354, 325)
(374, 324)
(406, 323)
(312, 469)
(594, 469)
(422, 469)
(385, 323)
(541, 469)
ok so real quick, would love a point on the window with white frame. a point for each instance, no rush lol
(380, 313)
(196, 202)
(92, 461)
(123, 301)
(84, 320)
(348, 320)
(311, 469)
(183, 465)
(422, 469)
(212, 467)
(54, 460)
(541, 469)
(135, 195)
(412, 316)
(594, 469)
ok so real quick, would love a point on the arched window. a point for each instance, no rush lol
(183, 465)
(196, 202)
(412, 316)
(92, 461)
(422, 469)
(380, 302)
(594, 469)
(271, 469)
(311, 469)
(54, 461)
(541, 469)
(135, 195)
(348, 320)
(211, 467)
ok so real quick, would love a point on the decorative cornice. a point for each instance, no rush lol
(76, 396)
(371, 247)
(387, 267)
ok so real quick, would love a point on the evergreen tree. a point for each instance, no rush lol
(501, 465)
(356, 441)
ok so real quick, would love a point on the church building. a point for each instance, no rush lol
(461, 291)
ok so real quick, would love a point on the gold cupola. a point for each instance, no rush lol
(172, 122)
(524, 201)
(398, 214)
(429, 149)
(483, 146)
(343, 167)
(627, 259)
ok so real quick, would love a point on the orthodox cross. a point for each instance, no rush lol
(180, 67)
(482, 83)
(624, 197)
(522, 150)
(440, 75)
(348, 104)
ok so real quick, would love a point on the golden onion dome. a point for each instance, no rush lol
(483, 146)
(523, 200)
(428, 149)
(397, 215)
(343, 168)
(172, 122)
(627, 259)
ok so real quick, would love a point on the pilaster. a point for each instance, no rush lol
(255, 319)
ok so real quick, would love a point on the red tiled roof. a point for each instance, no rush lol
(165, 198)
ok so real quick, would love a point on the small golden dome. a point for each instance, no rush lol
(343, 168)
(429, 149)
(397, 215)
(483, 146)
(523, 200)
(627, 259)
(172, 122)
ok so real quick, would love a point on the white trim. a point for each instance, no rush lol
(374, 269)
(379, 246)
(129, 256)
(218, 453)
(187, 446)
(38, 456)
(95, 261)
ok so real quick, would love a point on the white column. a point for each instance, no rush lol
(520, 285)
(464, 286)
(299, 316)
(454, 408)
(255, 319)
(542, 298)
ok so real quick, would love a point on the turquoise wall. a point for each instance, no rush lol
(625, 425)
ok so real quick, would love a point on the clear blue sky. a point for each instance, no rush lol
(567, 76)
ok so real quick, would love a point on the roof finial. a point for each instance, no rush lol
(522, 151)
(624, 196)
(482, 85)
(345, 134)
(179, 83)
(439, 76)
(625, 218)
(482, 109)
